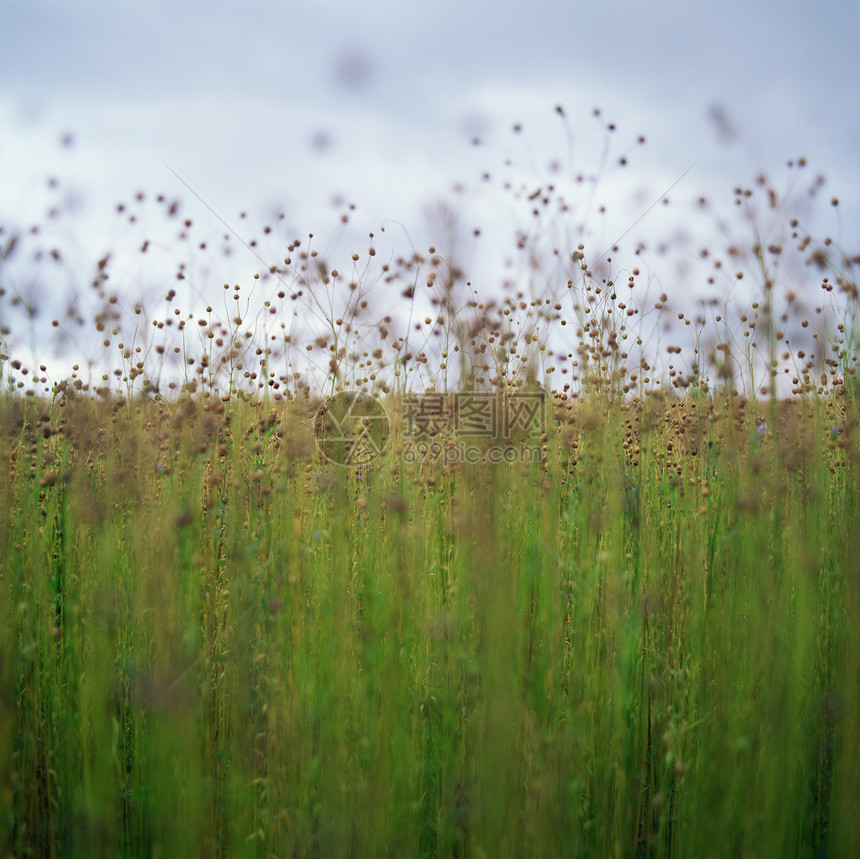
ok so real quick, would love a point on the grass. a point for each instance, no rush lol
(244, 651)
(639, 640)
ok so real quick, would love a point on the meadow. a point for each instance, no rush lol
(235, 621)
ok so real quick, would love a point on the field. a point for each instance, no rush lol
(237, 619)
(243, 650)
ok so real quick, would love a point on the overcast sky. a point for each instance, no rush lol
(265, 105)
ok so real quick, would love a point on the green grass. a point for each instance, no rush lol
(215, 643)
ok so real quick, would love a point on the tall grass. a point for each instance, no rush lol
(233, 648)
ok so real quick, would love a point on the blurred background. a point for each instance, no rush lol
(423, 123)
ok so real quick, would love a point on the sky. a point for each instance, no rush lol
(302, 108)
